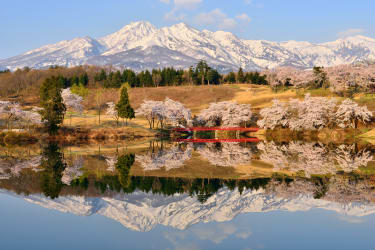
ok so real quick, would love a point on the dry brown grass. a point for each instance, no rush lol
(193, 97)
(260, 96)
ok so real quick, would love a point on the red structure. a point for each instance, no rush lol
(216, 128)
(219, 140)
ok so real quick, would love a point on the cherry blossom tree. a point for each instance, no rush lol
(226, 114)
(229, 154)
(176, 112)
(112, 111)
(111, 162)
(72, 101)
(277, 115)
(312, 158)
(73, 171)
(169, 158)
(167, 111)
(13, 112)
(13, 167)
(350, 113)
(311, 113)
(149, 110)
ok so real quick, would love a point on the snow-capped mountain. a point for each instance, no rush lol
(141, 45)
(142, 212)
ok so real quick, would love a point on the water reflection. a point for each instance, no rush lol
(316, 175)
(313, 157)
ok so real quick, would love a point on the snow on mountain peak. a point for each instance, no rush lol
(143, 211)
(221, 49)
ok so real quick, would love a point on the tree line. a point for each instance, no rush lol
(28, 81)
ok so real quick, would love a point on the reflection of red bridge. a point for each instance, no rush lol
(216, 128)
(254, 139)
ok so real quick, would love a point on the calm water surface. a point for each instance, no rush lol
(165, 195)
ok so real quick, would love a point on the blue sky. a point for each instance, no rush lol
(30, 24)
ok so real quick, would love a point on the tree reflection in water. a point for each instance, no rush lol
(227, 154)
(330, 171)
(53, 167)
(169, 158)
(313, 158)
(13, 167)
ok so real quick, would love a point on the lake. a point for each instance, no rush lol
(188, 195)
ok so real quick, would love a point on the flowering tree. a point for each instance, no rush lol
(33, 116)
(167, 111)
(13, 167)
(312, 158)
(13, 112)
(72, 101)
(227, 155)
(73, 171)
(111, 162)
(176, 112)
(277, 115)
(311, 113)
(350, 113)
(149, 110)
(171, 158)
(226, 113)
(112, 111)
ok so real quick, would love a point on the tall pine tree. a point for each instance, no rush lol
(52, 103)
(240, 76)
(123, 107)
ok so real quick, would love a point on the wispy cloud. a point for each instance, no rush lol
(351, 219)
(349, 32)
(178, 6)
(164, 1)
(186, 4)
(244, 17)
(215, 18)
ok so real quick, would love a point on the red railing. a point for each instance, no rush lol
(219, 140)
(216, 128)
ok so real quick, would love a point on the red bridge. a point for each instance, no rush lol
(216, 128)
(219, 140)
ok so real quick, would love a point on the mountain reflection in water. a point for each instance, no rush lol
(332, 177)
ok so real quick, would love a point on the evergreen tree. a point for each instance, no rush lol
(84, 79)
(123, 107)
(231, 78)
(213, 77)
(52, 103)
(123, 166)
(53, 164)
(201, 70)
(240, 76)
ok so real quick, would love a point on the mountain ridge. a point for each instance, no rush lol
(141, 211)
(140, 45)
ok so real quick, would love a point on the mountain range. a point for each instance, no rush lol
(141, 211)
(140, 45)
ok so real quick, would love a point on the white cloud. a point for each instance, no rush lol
(186, 4)
(215, 18)
(172, 16)
(243, 235)
(350, 32)
(164, 1)
(247, 2)
(215, 234)
(244, 17)
(351, 219)
(176, 15)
